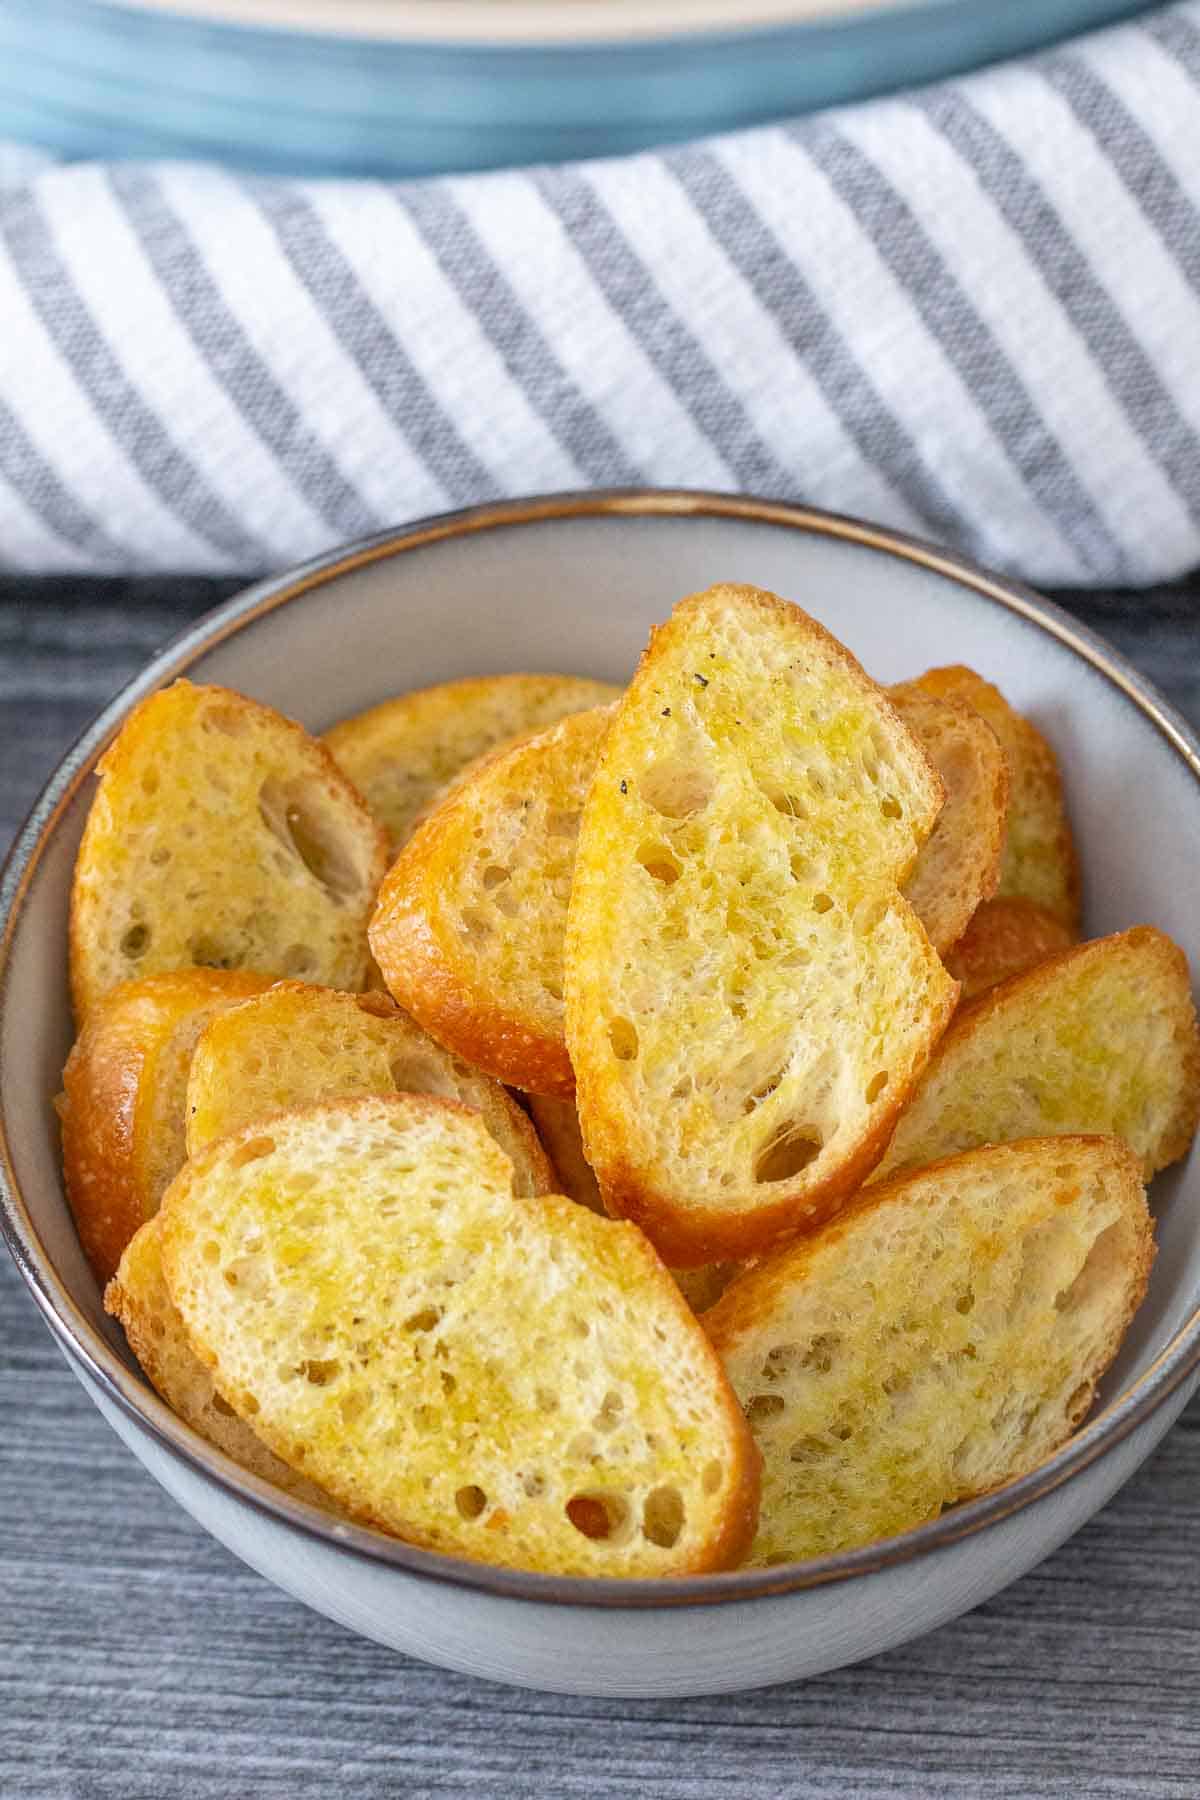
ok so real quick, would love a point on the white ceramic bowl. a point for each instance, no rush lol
(575, 583)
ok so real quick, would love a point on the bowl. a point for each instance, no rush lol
(574, 582)
(413, 87)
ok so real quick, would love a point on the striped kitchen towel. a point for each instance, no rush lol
(972, 312)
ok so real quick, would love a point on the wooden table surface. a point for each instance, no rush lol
(138, 1658)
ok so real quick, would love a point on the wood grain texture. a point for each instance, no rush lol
(138, 1658)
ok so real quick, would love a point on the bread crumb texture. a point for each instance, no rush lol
(516, 1381)
(942, 1337)
(221, 836)
(749, 998)
(302, 1044)
(1101, 1038)
(468, 931)
(402, 753)
(138, 1296)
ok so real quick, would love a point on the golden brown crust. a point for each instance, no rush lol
(1006, 936)
(111, 1086)
(128, 776)
(416, 934)
(1040, 859)
(686, 1232)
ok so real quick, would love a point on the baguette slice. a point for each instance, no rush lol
(558, 1127)
(1005, 937)
(399, 755)
(295, 1045)
(940, 1338)
(221, 836)
(1040, 862)
(138, 1296)
(122, 1109)
(959, 864)
(366, 1288)
(1101, 1038)
(469, 926)
(749, 997)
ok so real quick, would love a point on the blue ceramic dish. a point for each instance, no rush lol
(410, 87)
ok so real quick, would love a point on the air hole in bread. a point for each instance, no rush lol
(658, 862)
(212, 1252)
(209, 952)
(474, 927)
(298, 960)
(890, 807)
(762, 1092)
(447, 1380)
(252, 1151)
(223, 1407)
(554, 989)
(713, 1477)
(136, 941)
(663, 1516)
(494, 876)
(598, 1516)
(470, 1501)
(231, 721)
(560, 823)
(352, 1406)
(150, 782)
(876, 1085)
(321, 1373)
(790, 805)
(533, 1483)
(425, 1320)
(609, 1415)
(293, 812)
(427, 1418)
(1101, 1271)
(160, 855)
(822, 903)
(807, 1450)
(677, 786)
(580, 1326)
(622, 1035)
(547, 1399)
(761, 1407)
(787, 1154)
(965, 1302)
(801, 866)
(414, 1075)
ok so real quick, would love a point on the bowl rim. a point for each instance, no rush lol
(92, 1354)
(532, 25)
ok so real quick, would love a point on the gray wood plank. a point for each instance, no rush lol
(138, 1658)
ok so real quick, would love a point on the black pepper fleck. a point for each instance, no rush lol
(624, 787)
(666, 712)
(703, 680)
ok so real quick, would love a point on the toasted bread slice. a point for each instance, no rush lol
(558, 1127)
(367, 1289)
(138, 1297)
(1039, 860)
(221, 836)
(1101, 1038)
(122, 1109)
(401, 754)
(1005, 937)
(749, 997)
(940, 1338)
(296, 1044)
(468, 929)
(959, 863)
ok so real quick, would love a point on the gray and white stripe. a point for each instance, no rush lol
(971, 312)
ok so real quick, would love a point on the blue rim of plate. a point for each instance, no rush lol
(95, 1356)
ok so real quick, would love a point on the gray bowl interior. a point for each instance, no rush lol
(580, 594)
